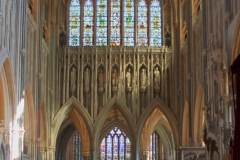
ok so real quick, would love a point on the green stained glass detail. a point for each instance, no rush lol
(128, 17)
(74, 23)
(88, 24)
(101, 28)
(142, 23)
(115, 23)
(155, 23)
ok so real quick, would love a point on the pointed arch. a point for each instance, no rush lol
(114, 102)
(6, 93)
(185, 125)
(158, 103)
(79, 116)
(199, 117)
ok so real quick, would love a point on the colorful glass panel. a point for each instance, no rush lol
(142, 23)
(115, 146)
(102, 149)
(101, 28)
(128, 149)
(155, 23)
(77, 146)
(74, 23)
(128, 22)
(121, 147)
(153, 146)
(115, 23)
(88, 24)
(109, 147)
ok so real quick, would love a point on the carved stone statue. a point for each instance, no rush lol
(86, 80)
(114, 77)
(128, 78)
(156, 78)
(143, 78)
(100, 81)
(73, 80)
(114, 81)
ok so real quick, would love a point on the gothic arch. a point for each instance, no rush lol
(236, 42)
(114, 102)
(199, 117)
(185, 125)
(158, 103)
(80, 118)
(7, 93)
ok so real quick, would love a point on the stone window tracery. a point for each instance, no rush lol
(116, 23)
(115, 145)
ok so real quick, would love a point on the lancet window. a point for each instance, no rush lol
(115, 145)
(120, 22)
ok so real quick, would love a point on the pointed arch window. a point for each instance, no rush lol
(88, 23)
(115, 39)
(155, 22)
(74, 23)
(77, 152)
(154, 146)
(142, 23)
(115, 145)
(128, 6)
(101, 28)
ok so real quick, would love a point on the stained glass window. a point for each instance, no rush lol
(155, 22)
(115, 145)
(101, 28)
(77, 147)
(142, 23)
(154, 146)
(115, 23)
(74, 23)
(128, 22)
(88, 23)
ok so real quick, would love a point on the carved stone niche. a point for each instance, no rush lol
(73, 80)
(101, 78)
(114, 79)
(143, 78)
(157, 79)
(128, 78)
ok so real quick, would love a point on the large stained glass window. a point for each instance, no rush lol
(154, 146)
(74, 23)
(88, 23)
(128, 22)
(77, 147)
(101, 28)
(155, 22)
(115, 39)
(142, 23)
(115, 145)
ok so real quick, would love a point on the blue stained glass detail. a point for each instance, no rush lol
(128, 6)
(115, 146)
(115, 23)
(142, 23)
(74, 23)
(155, 23)
(88, 24)
(101, 28)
